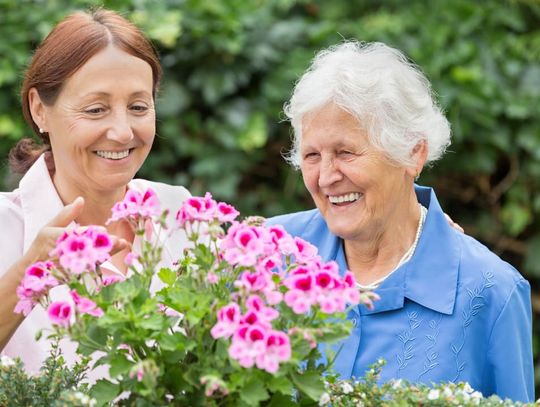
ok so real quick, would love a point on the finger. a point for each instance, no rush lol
(68, 214)
(119, 245)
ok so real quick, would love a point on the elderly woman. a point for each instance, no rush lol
(365, 125)
(89, 95)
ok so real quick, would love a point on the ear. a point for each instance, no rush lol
(419, 156)
(37, 109)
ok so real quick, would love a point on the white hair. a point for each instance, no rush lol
(388, 95)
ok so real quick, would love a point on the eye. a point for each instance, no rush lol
(95, 110)
(310, 156)
(139, 108)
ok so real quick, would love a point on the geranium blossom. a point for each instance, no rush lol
(60, 312)
(35, 284)
(80, 250)
(136, 205)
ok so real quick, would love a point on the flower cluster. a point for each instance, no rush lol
(275, 269)
(78, 251)
(239, 297)
(136, 205)
(37, 281)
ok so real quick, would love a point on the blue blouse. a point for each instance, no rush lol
(454, 312)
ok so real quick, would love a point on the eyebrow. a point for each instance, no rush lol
(107, 94)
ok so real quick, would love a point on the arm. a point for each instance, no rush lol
(38, 251)
(510, 359)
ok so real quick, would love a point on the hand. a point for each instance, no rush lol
(47, 237)
(454, 224)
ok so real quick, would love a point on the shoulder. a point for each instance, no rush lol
(298, 223)
(10, 207)
(481, 269)
(12, 230)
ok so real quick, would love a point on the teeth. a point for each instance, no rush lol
(113, 155)
(353, 196)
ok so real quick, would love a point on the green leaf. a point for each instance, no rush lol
(280, 384)
(153, 322)
(167, 276)
(118, 365)
(104, 391)
(254, 392)
(309, 383)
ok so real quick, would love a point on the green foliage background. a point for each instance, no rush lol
(231, 64)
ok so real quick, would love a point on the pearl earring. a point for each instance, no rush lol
(41, 130)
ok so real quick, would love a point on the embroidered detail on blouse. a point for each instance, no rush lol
(407, 338)
(476, 303)
(431, 355)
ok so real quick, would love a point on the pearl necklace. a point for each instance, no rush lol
(405, 258)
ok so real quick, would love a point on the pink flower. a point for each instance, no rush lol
(38, 278)
(243, 244)
(226, 212)
(305, 251)
(136, 205)
(36, 283)
(298, 301)
(111, 279)
(131, 258)
(81, 250)
(24, 306)
(228, 320)
(255, 304)
(278, 349)
(169, 311)
(85, 305)
(212, 277)
(197, 209)
(248, 343)
(282, 240)
(60, 313)
(102, 243)
(258, 281)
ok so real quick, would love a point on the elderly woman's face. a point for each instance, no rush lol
(353, 185)
(102, 124)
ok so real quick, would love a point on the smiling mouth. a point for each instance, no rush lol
(113, 155)
(345, 198)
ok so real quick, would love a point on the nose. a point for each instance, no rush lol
(120, 129)
(329, 173)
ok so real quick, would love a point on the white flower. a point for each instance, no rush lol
(476, 397)
(346, 388)
(325, 399)
(467, 387)
(433, 394)
(397, 383)
(6, 361)
(447, 392)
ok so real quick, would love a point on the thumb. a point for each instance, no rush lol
(68, 214)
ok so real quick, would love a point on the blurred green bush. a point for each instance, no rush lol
(231, 64)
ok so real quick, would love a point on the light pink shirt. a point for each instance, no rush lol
(23, 212)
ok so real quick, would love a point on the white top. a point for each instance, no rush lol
(23, 212)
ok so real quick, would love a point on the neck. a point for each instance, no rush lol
(97, 204)
(375, 255)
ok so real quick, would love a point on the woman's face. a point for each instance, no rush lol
(356, 188)
(102, 124)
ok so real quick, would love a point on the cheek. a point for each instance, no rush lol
(148, 131)
(310, 177)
